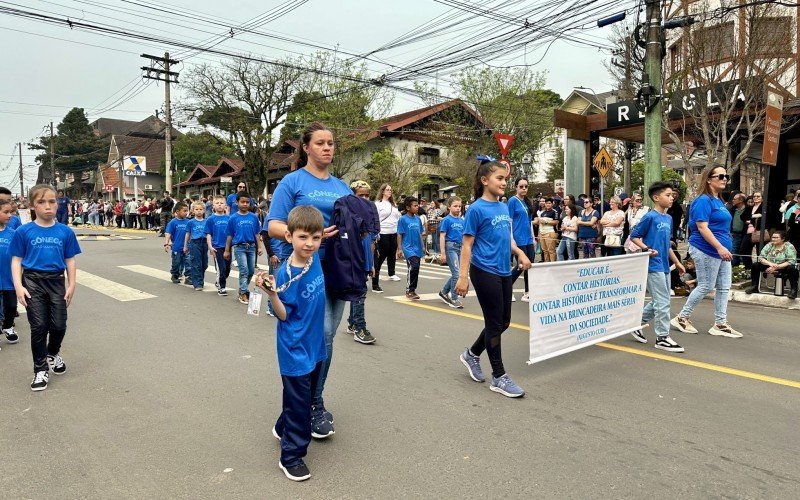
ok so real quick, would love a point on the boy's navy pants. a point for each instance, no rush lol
(198, 261)
(294, 424)
(223, 267)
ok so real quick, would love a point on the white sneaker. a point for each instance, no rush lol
(513, 299)
(394, 278)
(683, 325)
(525, 298)
(724, 330)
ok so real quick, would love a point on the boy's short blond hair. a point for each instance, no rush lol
(305, 218)
(198, 204)
(219, 197)
(453, 199)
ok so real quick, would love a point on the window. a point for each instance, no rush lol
(771, 37)
(428, 155)
(676, 56)
(714, 43)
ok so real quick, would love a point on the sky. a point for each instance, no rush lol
(49, 69)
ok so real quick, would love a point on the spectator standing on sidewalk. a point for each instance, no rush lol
(710, 249)
(166, 211)
(752, 221)
(738, 227)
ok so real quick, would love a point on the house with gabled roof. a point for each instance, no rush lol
(206, 180)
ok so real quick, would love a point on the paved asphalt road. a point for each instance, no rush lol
(174, 397)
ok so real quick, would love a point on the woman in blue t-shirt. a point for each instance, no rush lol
(312, 184)
(520, 209)
(486, 251)
(710, 248)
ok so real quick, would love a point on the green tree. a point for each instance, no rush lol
(75, 145)
(399, 171)
(674, 177)
(193, 148)
(555, 167)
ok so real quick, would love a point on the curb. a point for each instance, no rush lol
(763, 299)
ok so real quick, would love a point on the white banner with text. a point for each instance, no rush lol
(578, 303)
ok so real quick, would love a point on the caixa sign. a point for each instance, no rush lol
(679, 104)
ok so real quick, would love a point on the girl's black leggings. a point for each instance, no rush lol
(47, 314)
(386, 249)
(494, 296)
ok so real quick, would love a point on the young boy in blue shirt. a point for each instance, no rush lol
(243, 228)
(216, 237)
(409, 244)
(195, 246)
(652, 234)
(297, 295)
(8, 297)
(176, 232)
(451, 232)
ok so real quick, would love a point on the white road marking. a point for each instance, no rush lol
(110, 288)
(434, 296)
(162, 275)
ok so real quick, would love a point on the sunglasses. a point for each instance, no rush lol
(722, 177)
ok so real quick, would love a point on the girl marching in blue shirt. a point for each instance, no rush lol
(40, 253)
(486, 251)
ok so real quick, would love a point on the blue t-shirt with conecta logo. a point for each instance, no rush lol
(523, 234)
(63, 205)
(301, 188)
(706, 208)
(301, 337)
(176, 229)
(655, 230)
(196, 229)
(490, 224)
(410, 227)
(231, 201)
(6, 282)
(15, 222)
(453, 228)
(44, 249)
(217, 227)
(243, 228)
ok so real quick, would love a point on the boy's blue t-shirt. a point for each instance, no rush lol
(523, 234)
(453, 228)
(490, 224)
(196, 229)
(217, 227)
(706, 208)
(6, 281)
(410, 227)
(176, 228)
(301, 337)
(655, 229)
(302, 188)
(243, 228)
(15, 222)
(366, 243)
(44, 248)
(231, 201)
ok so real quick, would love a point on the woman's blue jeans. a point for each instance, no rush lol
(452, 252)
(566, 247)
(334, 308)
(713, 273)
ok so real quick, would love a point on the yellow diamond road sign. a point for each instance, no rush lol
(603, 162)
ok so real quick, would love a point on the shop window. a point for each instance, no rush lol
(429, 156)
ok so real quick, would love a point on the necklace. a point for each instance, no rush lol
(295, 278)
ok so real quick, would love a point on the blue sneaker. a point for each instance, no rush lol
(473, 364)
(321, 427)
(507, 387)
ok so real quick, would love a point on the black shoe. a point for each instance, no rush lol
(39, 382)
(176, 279)
(298, 472)
(11, 335)
(751, 289)
(377, 289)
(321, 427)
(792, 294)
(667, 344)
(364, 337)
(639, 336)
(445, 299)
(57, 364)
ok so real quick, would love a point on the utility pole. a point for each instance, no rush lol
(52, 158)
(164, 75)
(650, 94)
(21, 178)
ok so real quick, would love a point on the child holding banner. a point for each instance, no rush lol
(652, 234)
(486, 251)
